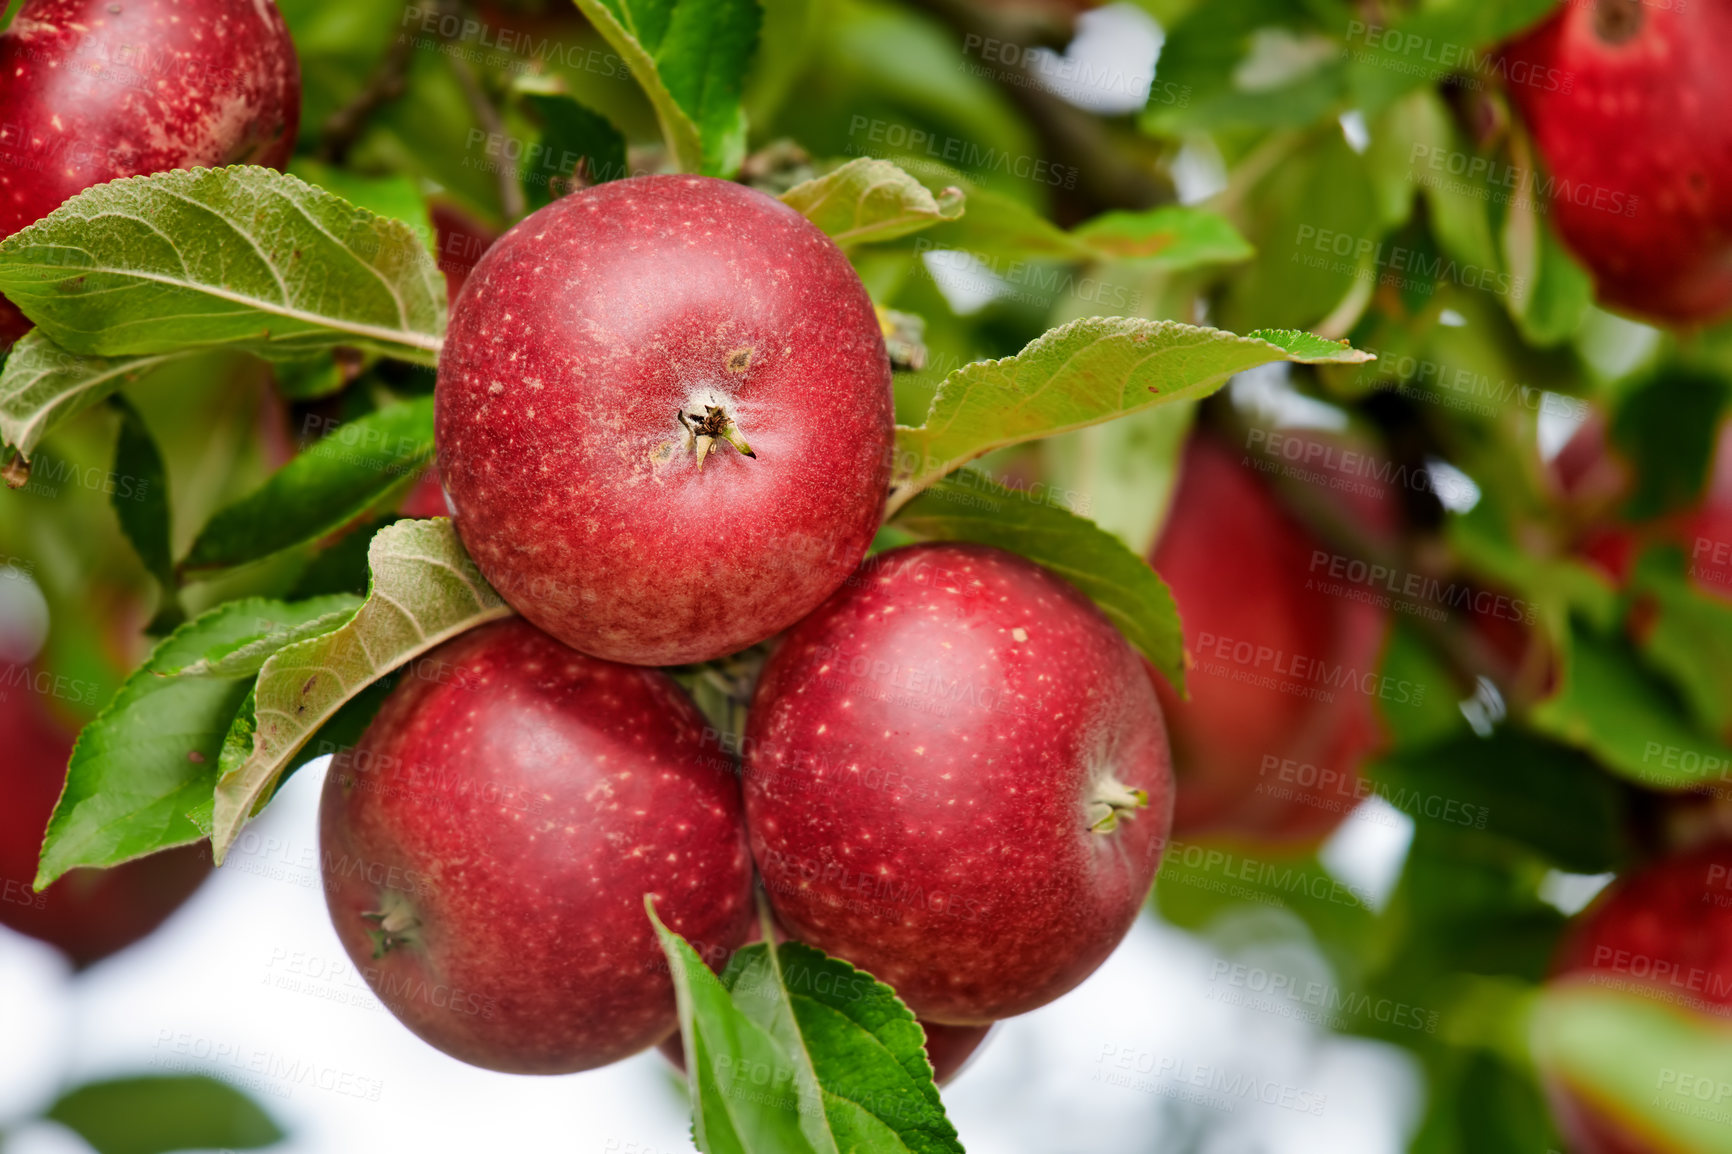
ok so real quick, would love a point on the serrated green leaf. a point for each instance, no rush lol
(690, 57)
(1080, 374)
(242, 256)
(425, 590)
(156, 1115)
(793, 1050)
(570, 134)
(1613, 707)
(1172, 238)
(1654, 1069)
(42, 385)
(867, 200)
(151, 755)
(338, 478)
(966, 506)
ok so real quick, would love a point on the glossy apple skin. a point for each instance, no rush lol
(1634, 134)
(574, 345)
(921, 756)
(89, 913)
(517, 807)
(1666, 930)
(96, 90)
(1242, 570)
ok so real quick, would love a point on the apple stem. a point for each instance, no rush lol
(396, 923)
(1112, 798)
(703, 429)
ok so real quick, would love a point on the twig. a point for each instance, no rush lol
(388, 82)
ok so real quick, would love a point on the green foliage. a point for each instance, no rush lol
(156, 1115)
(791, 1050)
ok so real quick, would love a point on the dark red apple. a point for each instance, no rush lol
(957, 779)
(487, 846)
(89, 913)
(1665, 932)
(664, 418)
(1626, 103)
(95, 90)
(948, 1048)
(461, 240)
(1268, 746)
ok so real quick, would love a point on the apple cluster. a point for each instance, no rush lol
(663, 421)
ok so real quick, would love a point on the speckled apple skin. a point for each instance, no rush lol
(1676, 913)
(938, 836)
(1239, 566)
(88, 914)
(1635, 134)
(573, 346)
(96, 90)
(521, 803)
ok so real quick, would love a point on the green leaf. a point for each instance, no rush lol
(1512, 785)
(791, 1050)
(1172, 238)
(1658, 1071)
(156, 1115)
(1079, 374)
(338, 478)
(151, 754)
(1669, 426)
(42, 386)
(140, 496)
(690, 57)
(869, 200)
(1688, 633)
(425, 590)
(244, 658)
(240, 256)
(966, 506)
(570, 135)
(1610, 705)
(1549, 292)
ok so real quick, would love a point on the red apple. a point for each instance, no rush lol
(1626, 103)
(89, 913)
(487, 847)
(664, 418)
(957, 779)
(461, 241)
(96, 90)
(1268, 746)
(1665, 932)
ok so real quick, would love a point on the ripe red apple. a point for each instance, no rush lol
(1268, 746)
(100, 89)
(89, 913)
(664, 418)
(1592, 482)
(957, 779)
(1626, 101)
(1665, 931)
(487, 846)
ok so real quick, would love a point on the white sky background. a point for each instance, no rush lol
(208, 977)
